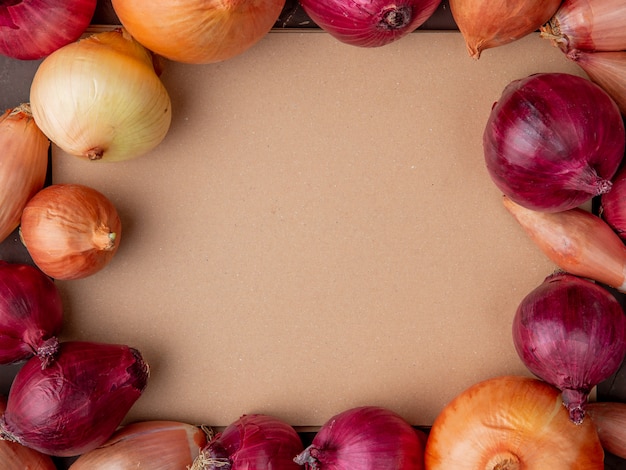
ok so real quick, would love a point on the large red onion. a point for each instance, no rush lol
(31, 314)
(553, 141)
(254, 441)
(368, 23)
(570, 332)
(365, 438)
(76, 403)
(32, 29)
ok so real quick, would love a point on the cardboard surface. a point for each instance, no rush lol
(318, 231)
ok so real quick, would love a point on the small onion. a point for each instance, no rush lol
(570, 332)
(553, 141)
(511, 423)
(365, 438)
(613, 204)
(71, 231)
(100, 98)
(610, 420)
(31, 314)
(75, 404)
(23, 164)
(367, 23)
(32, 29)
(198, 31)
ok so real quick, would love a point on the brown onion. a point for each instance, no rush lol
(71, 231)
(486, 24)
(23, 164)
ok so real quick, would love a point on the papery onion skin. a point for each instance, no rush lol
(254, 441)
(570, 332)
(76, 403)
(610, 421)
(198, 31)
(553, 141)
(71, 231)
(367, 438)
(100, 98)
(366, 23)
(613, 204)
(590, 25)
(486, 24)
(32, 29)
(147, 445)
(23, 164)
(511, 423)
(31, 314)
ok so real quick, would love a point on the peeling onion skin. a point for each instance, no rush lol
(33, 29)
(366, 23)
(553, 141)
(570, 332)
(75, 404)
(511, 423)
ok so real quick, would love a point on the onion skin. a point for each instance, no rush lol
(100, 98)
(367, 438)
(610, 421)
(511, 423)
(553, 141)
(198, 31)
(32, 29)
(71, 231)
(75, 404)
(146, 445)
(613, 205)
(366, 23)
(570, 332)
(23, 164)
(252, 442)
(576, 241)
(486, 24)
(31, 314)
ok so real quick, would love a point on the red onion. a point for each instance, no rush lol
(365, 438)
(613, 204)
(570, 332)
(368, 23)
(553, 141)
(76, 403)
(32, 29)
(31, 314)
(254, 441)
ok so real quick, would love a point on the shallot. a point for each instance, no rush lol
(609, 418)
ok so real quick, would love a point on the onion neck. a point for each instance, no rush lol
(104, 239)
(395, 18)
(589, 181)
(575, 401)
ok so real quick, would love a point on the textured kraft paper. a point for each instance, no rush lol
(317, 231)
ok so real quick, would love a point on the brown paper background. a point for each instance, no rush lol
(317, 231)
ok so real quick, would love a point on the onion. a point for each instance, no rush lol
(15, 456)
(553, 141)
(71, 231)
(570, 332)
(578, 242)
(591, 25)
(75, 404)
(32, 29)
(198, 31)
(610, 421)
(31, 314)
(23, 164)
(613, 204)
(368, 23)
(511, 423)
(253, 441)
(100, 98)
(154, 445)
(365, 438)
(486, 24)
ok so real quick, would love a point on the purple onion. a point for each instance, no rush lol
(369, 23)
(570, 332)
(553, 141)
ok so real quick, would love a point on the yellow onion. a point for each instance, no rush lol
(23, 164)
(71, 231)
(100, 98)
(198, 31)
(511, 423)
(486, 24)
(153, 445)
